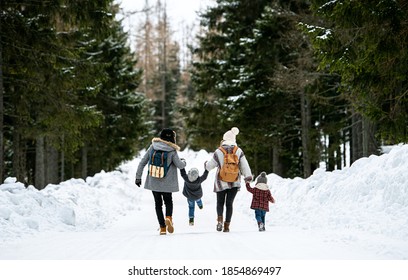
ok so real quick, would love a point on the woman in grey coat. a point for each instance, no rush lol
(162, 188)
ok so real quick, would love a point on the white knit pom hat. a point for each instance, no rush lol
(229, 136)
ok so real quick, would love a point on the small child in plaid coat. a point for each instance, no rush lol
(261, 196)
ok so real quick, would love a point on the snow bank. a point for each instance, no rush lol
(369, 196)
(75, 204)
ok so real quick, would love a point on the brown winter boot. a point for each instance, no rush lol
(162, 230)
(219, 223)
(226, 227)
(169, 224)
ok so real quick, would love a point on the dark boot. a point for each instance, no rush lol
(261, 226)
(219, 223)
(226, 227)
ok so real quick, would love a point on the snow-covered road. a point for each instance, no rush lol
(345, 224)
(135, 236)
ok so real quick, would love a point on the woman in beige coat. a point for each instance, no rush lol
(227, 190)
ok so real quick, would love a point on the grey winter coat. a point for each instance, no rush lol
(170, 182)
(193, 190)
(218, 160)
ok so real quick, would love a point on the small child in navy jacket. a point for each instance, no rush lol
(193, 190)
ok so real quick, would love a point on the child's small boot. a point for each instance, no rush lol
(169, 224)
(261, 226)
(162, 230)
(200, 204)
(226, 227)
(219, 223)
(191, 221)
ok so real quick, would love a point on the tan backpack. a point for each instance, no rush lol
(229, 171)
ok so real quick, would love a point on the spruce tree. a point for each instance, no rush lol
(54, 68)
(124, 128)
(365, 42)
(245, 59)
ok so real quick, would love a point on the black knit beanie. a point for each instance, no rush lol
(168, 135)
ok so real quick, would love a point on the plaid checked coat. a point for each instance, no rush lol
(261, 196)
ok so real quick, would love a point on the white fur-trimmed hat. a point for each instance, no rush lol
(229, 137)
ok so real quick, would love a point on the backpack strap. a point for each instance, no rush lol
(153, 154)
(162, 157)
(234, 150)
(222, 150)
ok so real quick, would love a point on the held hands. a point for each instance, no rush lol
(138, 182)
(248, 179)
(183, 160)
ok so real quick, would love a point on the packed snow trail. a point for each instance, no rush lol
(135, 236)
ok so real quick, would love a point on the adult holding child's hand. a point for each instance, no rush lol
(231, 164)
(162, 178)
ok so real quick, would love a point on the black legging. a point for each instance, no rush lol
(159, 197)
(226, 197)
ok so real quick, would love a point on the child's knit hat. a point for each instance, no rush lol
(193, 174)
(262, 178)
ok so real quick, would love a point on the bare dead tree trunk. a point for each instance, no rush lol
(255, 164)
(84, 170)
(306, 125)
(330, 154)
(356, 138)
(18, 157)
(39, 163)
(276, 160)
(338, 158)
(147, 53)
(51, 164)
(370, 146)
(62, 172)
(164, 66)
(2, 158)
(345, 146)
